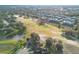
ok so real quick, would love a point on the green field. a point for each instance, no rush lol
(6, 46)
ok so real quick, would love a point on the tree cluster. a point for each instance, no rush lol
(50, 47)
(9, 27)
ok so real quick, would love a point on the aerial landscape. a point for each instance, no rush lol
(39, 29)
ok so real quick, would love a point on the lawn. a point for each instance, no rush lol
(47, 29)
(6, 46)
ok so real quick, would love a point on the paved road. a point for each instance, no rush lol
(71, 48)
(24, 51)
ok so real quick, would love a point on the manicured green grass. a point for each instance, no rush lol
(8, 41)
(6, 46)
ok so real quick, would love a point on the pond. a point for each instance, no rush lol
(18, 37)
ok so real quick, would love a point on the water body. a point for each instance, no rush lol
(18, 37)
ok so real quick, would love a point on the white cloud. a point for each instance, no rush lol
(39, 2)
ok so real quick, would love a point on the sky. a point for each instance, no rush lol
(39, 2)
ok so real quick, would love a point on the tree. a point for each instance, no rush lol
(59, 47)
(50, 46)
(34, 43)
(20, 43)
